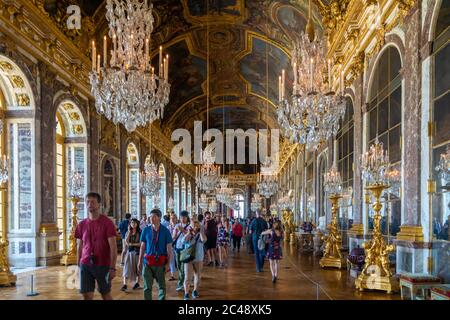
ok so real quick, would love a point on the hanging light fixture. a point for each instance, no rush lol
(127, 90)
(150, 179)
(267, 183)
(444, 165)
(207, 174)
(256, 202)
(312, 114)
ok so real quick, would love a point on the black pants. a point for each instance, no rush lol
(237, 242)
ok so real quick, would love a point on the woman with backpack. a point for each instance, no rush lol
(274, 253)
(195, 238)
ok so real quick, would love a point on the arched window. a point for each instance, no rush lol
(70, 156)
(176, 194)
(189, 197)
(133, 180)
(19, 146)
(345, 140)
(440, 115)
(162, 191)
(240, 213)
(385, 123)
(183, 194)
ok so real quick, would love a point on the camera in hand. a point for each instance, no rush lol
(91, 259)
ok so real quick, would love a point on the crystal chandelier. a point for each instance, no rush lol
(256, 202)
(203, 202)
(156, 200)
(150, 179)
(170, 204)
(212, 207)
(332, 182)
(207, 175)
(444, 165)
(76, 184)
(374, 164)
(267, 181)
(312, 114)
(128, 91)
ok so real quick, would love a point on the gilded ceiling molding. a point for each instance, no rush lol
(354, 40)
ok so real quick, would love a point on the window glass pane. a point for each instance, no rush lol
(134, 196)
(443, 20)
(383, 114)
(395, 63)
(442, 119)
(395, 115)
(442, 71)
(25, 191)
(12, 206)
(383, 70)
(394, 145)
(373, 124)
(350, 140)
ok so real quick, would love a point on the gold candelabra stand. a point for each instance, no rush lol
(332, 256)
(70, 257)
(6, 276)
(287, 218)
(376, 274)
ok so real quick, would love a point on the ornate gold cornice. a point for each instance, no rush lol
(353, 39)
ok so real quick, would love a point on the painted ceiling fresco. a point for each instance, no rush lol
(245, 36)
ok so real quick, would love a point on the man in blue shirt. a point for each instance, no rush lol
(123, 229)
(156, 251)
(257, 226)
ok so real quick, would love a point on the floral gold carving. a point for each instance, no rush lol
(77, 129)
(5, 66)
(23, 99)
(17, 82)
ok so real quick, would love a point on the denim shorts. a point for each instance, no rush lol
(89, 274)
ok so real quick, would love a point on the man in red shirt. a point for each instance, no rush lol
(97, 250)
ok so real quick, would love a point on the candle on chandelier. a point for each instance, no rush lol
(132, 49)
(160, 60)
(147, 43)
(104, 51)
(330, 81)
(311, 73)
(342, 81)
(295, 75)
(279, 89)
(94, 55)
(98, 64)
(114, 49)
(283, 83)
(166, 68)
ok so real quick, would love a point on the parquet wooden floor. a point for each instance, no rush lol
(299, 277)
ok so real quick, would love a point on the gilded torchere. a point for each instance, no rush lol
(332, 256)
(376, 274)
(76, 186)
(70, 257)
(6, 276)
